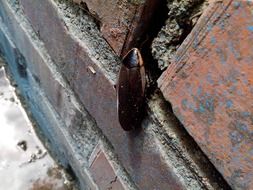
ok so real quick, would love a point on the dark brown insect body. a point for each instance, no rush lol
(130, 90)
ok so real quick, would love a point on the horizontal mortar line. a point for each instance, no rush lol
(80, 39)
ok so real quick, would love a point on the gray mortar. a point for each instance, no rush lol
(136, 2)
(80, 137)
(179, 149)
(190, 163)
(80, 148)
(83, 27)
(181, 12)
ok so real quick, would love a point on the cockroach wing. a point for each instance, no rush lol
(130, 90)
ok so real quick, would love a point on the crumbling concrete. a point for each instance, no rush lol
(182, 16)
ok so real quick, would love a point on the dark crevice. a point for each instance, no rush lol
(158, 20)
(71, 172)
(21, 64)
(186, 23)
(154, 72)
(187, 28)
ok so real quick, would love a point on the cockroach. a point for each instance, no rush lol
(130, 90)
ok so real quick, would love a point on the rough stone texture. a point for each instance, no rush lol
(63, 51)
(209, 85)
(182, 16)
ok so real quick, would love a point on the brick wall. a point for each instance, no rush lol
(53, 48)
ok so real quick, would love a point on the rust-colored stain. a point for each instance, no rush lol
(210, 86)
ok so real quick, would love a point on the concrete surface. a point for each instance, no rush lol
(182, 16)
(24, 161)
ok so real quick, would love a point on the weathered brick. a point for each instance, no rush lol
(122, 23)
(103, 172)
(210, 84)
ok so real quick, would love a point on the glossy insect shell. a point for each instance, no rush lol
(130, 90)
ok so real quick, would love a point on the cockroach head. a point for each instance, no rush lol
(133, 58)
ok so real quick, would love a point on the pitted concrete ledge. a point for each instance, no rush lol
(76, 108)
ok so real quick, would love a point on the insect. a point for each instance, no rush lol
(130, 90)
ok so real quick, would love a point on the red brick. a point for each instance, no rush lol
(123, 23)
(102, 171)
(138, 152)
(209, 85)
